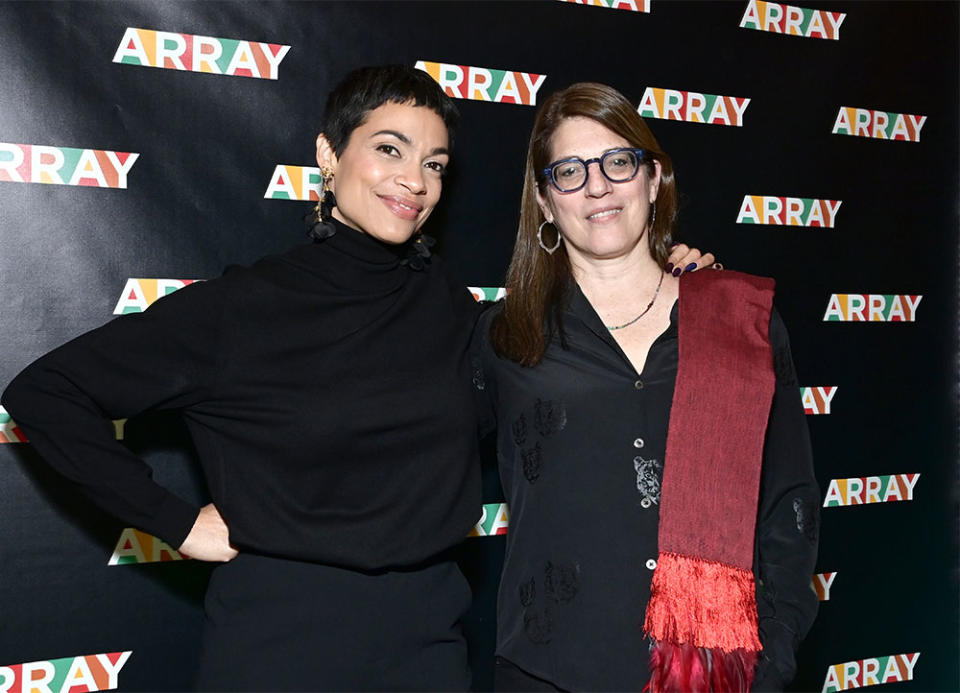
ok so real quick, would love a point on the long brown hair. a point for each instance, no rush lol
(537, 282)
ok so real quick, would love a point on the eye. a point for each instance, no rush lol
(436, 166)
(566, 170)
(388, 149)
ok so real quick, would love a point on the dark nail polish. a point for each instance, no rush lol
(675, 244)
(677, 272)
(669, 267)
(689, 268)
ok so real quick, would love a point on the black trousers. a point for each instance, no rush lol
(274, 624)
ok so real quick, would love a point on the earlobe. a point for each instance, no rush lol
(655, 182)
(325, 155)
(544, 207)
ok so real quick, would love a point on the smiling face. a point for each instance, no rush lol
(601, 220)
(388, 178)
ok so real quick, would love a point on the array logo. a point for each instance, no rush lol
(821, 585)
(293, 183)
(870, 672)
(816, 400)
(881, 125)
(794, 21)
(870, 489)
(11, 433)
(485, 84)
(37, 163)
(96, 672)
(692, 107)
(138, 294)
(218, 56)
(872, 308)
(788, 211)
(135, 546)
(633, 5)
(487, 293)
(493, 521)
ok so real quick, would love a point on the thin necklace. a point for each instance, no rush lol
(645, 310)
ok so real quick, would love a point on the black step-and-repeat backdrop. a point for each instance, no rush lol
(145, 145)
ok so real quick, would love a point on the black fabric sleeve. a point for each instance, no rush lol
(787, 525)
(484, 382)
(164, 357)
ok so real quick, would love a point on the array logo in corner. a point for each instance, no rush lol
(788, 211)
(870, 489)
(135, 546)
(138, 293)
(217, 56)
(872, 308)
(692, 107)
(880, 125)
(294, 183)
(487, 293)
(870, 672)
(485, 84)
(793, 21)
(38, 163)
(821, 585)
(493, 521)
(95, 672)
(816, 400)
(632, 5)
(11, 433)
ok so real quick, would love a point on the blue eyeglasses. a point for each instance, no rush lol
(616, 165)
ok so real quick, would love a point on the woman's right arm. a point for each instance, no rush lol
(165, 357)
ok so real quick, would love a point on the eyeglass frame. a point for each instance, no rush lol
(548, 171)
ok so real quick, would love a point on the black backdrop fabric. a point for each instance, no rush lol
(87, 604)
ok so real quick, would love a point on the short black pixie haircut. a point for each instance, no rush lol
(367, 88)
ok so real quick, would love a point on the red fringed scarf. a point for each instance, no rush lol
(702, 614)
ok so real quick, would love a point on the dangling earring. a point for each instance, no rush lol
(323, 226)
(550, 251)
(653, 214)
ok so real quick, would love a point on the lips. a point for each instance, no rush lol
(603, 214)
(401, 206)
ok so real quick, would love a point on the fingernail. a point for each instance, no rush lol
(677, 272)
(669, 267)
(691, 267)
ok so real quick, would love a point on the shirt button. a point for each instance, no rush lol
(651, 564)
(638, 443)
(645, 503)
(638, 384)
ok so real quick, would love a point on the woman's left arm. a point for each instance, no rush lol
(787, 525)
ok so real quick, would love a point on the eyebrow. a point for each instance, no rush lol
(406, 140)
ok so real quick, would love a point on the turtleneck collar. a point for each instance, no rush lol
(364, 247)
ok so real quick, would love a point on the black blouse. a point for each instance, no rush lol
(581, 440)
(327, 391)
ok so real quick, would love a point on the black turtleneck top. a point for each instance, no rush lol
(327, 390)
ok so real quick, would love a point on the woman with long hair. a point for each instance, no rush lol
(650, 435)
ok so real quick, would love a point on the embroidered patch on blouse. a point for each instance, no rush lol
(806, 519)
(532, 459)
(549, 416)
(648, 478)
(519, 430)
(561, 581)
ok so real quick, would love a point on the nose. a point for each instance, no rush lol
(411, 177)
(597, 184)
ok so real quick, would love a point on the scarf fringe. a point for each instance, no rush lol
(702, 616)
(683, 668)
